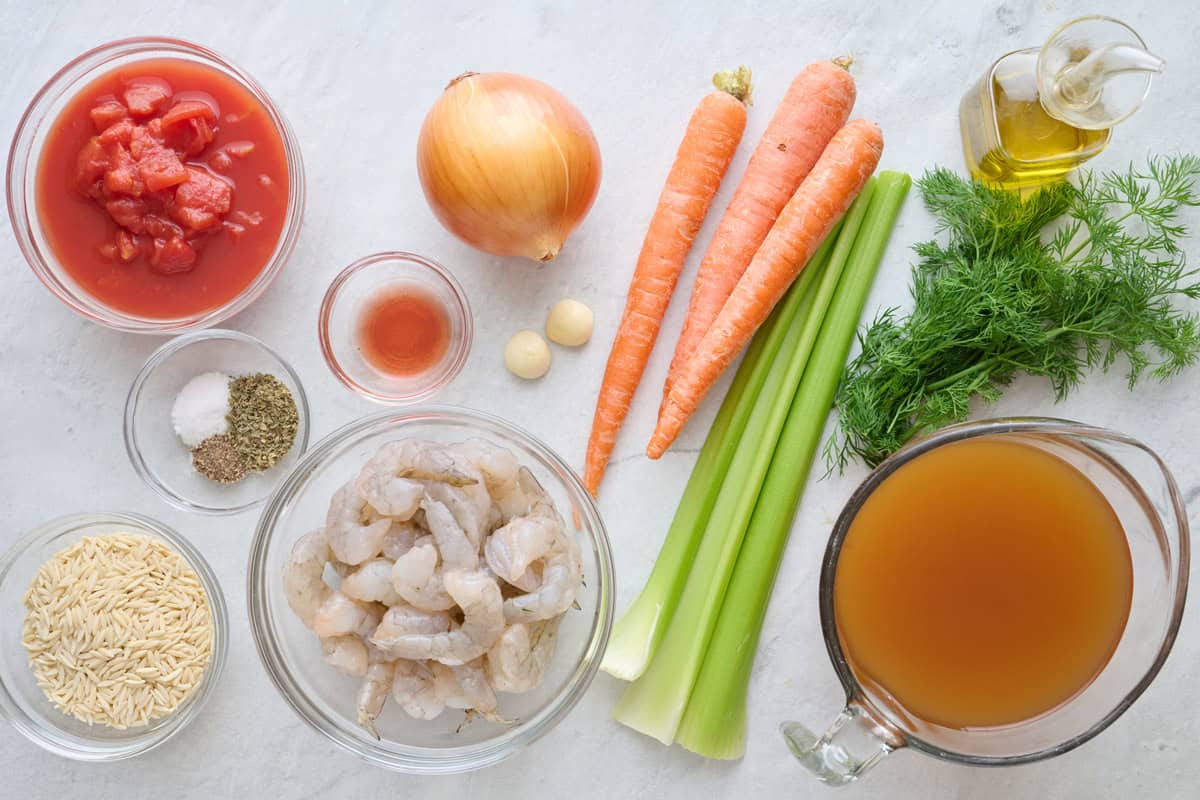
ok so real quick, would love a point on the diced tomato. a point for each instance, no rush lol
(120, 131)
(122, 175)
(161, 169)
(172, 255)
(201, 136)
(147, 97)
(92, 163)
(107, 114)
(153, 169)
(123, 180)
(161, 228)
(128, 212)
(185, 110)
(202, 200)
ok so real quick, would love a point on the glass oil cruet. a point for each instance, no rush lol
(1039, 113)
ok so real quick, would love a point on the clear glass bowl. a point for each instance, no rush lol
(343, 304)
(157, 454)
(325, 699)
(24, 704)
(25, 153)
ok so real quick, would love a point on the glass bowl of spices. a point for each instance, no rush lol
(113, 634)
(214, 420)
(395, 327)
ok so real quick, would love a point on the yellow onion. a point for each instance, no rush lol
(508, 165)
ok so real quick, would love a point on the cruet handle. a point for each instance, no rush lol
(854, 743)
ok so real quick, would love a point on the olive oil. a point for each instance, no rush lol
(1039, 113)
(1008, 138)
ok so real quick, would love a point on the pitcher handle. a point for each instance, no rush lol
(854, 743)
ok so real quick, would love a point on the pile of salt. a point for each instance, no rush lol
(201, 407)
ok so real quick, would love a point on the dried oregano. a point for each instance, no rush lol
(262, 420)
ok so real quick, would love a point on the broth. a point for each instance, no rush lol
(983, 583)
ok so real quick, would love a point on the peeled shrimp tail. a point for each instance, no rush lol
(374, 693)
(473, 693)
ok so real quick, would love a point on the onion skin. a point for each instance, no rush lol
(508, 165)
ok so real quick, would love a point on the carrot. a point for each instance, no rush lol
(708, 145)
(814, 108)
(805, 221)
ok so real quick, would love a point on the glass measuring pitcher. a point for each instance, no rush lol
(1146, 501)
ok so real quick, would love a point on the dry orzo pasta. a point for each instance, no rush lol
(118, 629)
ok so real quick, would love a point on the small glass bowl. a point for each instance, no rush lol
(24, 704)
(325, 698)
(25, 154)
(156, 452)
(343, 304)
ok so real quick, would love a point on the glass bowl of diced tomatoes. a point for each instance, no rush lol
(154, 187)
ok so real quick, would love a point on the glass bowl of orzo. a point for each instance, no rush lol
(113, 631)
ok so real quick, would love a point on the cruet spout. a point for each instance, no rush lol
(1083, 84)
(1094, 72)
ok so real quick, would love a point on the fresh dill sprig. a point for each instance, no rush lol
(1070, 279)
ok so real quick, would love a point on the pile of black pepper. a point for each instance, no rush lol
(263, 421)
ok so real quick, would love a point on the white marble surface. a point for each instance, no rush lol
(355, 79)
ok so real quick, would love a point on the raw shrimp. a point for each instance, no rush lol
(303, 576)
(455, 549)
(395, 479)
(478, 595)
(391, 496)
(511, 549)
(402, 620)
(371, 582)
(417, 579)
(471, 507)
(347, 653)
(339, 615)
(400, 538)
(517, 661)
(354, 533)
(562, 575)
(376, 686)
(420, 689)
(423, 461)
(497, 465)
(473, 693)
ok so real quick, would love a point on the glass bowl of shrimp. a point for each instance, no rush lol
(363, 638)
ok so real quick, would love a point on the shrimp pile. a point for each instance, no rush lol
(439, 578)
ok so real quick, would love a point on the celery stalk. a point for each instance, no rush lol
(636, 636)
(714, 724)
(655, 702)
